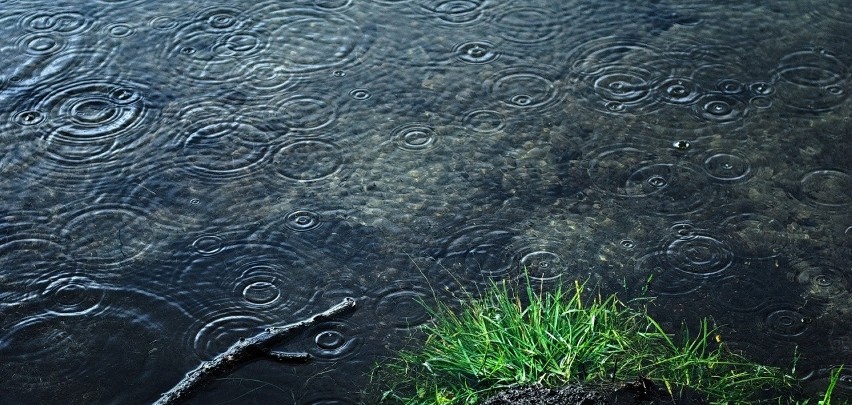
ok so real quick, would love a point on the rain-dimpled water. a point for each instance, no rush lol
(176, 176)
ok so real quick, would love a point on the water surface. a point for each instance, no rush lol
(177, 176)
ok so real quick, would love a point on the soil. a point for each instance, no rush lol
(640, 391)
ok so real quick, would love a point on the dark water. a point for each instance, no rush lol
(177, 176)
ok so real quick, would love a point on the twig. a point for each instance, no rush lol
(259, 345)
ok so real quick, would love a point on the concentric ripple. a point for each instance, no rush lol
(305, 113)
(247, 275)
(65, 22)
(678, 91)
(225, 150)
(829, 189)
(720, 108)
(414, 137)
(523, 87)
(755, 236)
(307, 161)
(476, 52)
(478, 250)
(108, 234)
(484, 121)
(701, 255)
(215, 46)
(401, 304)
(42, 44)
(727, 168)
(785, 321)
(216, 332)
(305, 40)
(813, 80)
(303, 220)
(618, 76)
(90, 121)
(527, 25)
(649, 185)
(823, 281)
(334, 341)
(541, 264)
(46, 356)
(72, 296)
(455, 12)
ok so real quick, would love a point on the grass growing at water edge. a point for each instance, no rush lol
(515, 335)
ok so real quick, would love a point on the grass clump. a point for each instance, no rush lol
(514, 336)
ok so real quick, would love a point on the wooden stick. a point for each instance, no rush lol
(259, 345)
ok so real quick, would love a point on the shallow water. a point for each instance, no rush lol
(175, 177)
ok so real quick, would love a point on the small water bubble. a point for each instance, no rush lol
(657, 181)
(123, 95)
(29, 118)
(628, 244)
(681, 145)
(615, 106)
(718, 108)
(683, 229)
(761, 88)
(476, 52)
(338, 73)
(678, 91)
(195, 201)
(835, 90)
(187, 50)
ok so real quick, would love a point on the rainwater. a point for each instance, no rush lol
(177, 175)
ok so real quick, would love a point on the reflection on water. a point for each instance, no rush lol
(175, 177)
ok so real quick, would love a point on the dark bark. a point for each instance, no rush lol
(257, 346)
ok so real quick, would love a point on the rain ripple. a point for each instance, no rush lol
(29, 262)
(821, 281)
(308, 160)
(812, 81)
(477, 250)
(47, 355)
(827, 189)
(651, 186)
(524, 87)
(455, 12)
(615, 75)
(699, 255)
(527, 25)
(400, 304)
(108, 234)
(245, 275)
(95, 123)
(303, 40)
(215, 46)
(755, 236)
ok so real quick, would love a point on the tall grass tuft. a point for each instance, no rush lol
(518, 335)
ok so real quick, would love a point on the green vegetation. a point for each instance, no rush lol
(515, 336)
